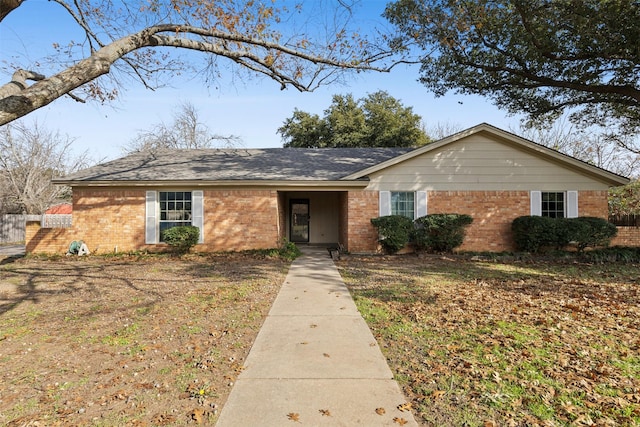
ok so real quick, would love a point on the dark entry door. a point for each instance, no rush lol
(299, 215)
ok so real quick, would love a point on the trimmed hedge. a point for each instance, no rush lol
(394, 231)
(531, 233)
(535, 233)
(435, 232)
(181, 238)
(440, 232)
(593, 232)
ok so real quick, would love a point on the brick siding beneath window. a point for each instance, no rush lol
(107, 219)
(494, 211)
(114, 219)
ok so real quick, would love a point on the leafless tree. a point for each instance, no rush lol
(30, 156)
(590, 145)
(443, 129)
(186, 131)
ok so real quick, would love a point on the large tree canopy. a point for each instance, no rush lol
(133, 39)
(378, 120)
(537, 57)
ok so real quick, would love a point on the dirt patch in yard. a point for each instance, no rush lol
(127, 340)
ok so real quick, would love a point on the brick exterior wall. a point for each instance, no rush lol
(494, 211)
(343, 219)
(627, 236)
(110, 219)
(236, 220)
(103, 218)
(361, 207)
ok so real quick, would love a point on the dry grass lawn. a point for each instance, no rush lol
(127, 341)
(482, 343)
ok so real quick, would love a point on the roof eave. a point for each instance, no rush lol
(350, 183)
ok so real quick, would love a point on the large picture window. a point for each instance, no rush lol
(403, 203)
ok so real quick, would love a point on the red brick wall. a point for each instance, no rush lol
(47, 240)
(361, 207)
(254, 219)
(627, 236)
(107, 219)
(343, 219)
(103, 218)
(493, 212)
(593, 203)
(237, 220)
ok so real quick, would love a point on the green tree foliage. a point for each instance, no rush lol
(625, 200)
(540, 58)
(378, 120)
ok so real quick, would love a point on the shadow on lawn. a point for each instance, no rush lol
(406, 279)
(135, 284)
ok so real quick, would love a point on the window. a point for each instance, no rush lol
(175, 209)
(408, 203)
(553, 204)
(403, 203)
(166, 209)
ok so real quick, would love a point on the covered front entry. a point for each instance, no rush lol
(313, 217)
(299, 220)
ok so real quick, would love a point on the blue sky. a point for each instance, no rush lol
(252, 110)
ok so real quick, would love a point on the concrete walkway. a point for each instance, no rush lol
(315, 361)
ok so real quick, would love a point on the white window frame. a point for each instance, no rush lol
(419, 203)
(570, 202)
(152, 217)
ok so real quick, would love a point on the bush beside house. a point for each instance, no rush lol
(537, 233)
(434, 233)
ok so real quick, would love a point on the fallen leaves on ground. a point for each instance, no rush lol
(400, 421)
(522, 343)
(128, 340)
(293, 416)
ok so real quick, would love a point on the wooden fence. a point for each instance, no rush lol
(12, 227)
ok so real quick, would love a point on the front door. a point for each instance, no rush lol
(299, 220)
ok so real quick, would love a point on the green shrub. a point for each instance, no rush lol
(181, 238)
(394, 231)
(288, 250)
(440, 232)
(619, 254)
(532, 233)
(593, 232)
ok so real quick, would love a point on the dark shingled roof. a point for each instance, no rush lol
(268, 164)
